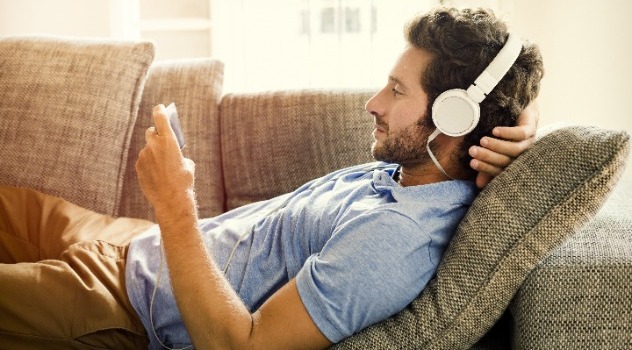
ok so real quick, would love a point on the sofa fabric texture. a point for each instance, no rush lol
(67, 109)
(544, 197)
(583, 287)
(195, 86)
(273, 142)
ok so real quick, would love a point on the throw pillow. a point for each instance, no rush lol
(545, 196)
(67, 109)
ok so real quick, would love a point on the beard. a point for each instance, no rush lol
(406, 147)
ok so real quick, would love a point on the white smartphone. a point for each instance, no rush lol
(172, 113)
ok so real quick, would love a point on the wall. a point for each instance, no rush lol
(91, 18)
(586, 47)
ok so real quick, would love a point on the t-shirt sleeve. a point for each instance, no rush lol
(371, 268)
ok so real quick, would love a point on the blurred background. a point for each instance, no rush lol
(292, 44)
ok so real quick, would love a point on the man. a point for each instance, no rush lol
(303, 270)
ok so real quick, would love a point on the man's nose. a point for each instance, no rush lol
(373, 107)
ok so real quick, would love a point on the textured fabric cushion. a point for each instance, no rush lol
(195, 85)
(67, 107)
(579, 296)
(263, 140)
(545, 196)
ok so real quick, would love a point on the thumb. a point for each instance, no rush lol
(189, 165)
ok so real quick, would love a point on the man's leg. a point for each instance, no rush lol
(35, 226)
(70, 292)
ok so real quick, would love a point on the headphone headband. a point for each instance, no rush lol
(496, 70)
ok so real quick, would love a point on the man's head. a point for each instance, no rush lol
(455, 46)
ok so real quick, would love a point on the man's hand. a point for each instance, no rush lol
(495, 154)
(165, 176)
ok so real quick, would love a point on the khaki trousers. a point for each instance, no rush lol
(62, 276)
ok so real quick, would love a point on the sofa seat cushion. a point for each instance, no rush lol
(195, 86)
(546, 195)
(67, 109)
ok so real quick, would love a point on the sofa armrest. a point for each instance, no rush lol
(579, 296)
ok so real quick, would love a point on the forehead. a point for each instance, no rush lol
(409, 67)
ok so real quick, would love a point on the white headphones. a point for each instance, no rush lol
(456, 112)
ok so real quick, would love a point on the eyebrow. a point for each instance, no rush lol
(397, 81)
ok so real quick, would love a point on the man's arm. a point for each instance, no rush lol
(495, 154)
(212, 312)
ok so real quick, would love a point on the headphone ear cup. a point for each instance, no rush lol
(454, 113)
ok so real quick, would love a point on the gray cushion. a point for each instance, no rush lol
(67, 108)
(545, 196)
(195, 86)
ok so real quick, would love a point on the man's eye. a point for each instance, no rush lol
(395, 92)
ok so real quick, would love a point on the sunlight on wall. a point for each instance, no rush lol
(76, 18)
(586, 50)
(286, 44)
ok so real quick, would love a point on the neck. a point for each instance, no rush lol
(427, 173)
(437, 167)
(420, 175)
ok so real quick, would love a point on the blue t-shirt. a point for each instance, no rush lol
(360, 246)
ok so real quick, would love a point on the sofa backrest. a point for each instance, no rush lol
(273, 142)
(67, 109)
(195, 86)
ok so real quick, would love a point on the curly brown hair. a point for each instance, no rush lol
(462, 44)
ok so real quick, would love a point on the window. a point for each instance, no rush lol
(352, 20)
(290, 44)
(328, 20)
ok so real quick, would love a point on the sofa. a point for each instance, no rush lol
(542, 260)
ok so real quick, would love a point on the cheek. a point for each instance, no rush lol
(407, 116)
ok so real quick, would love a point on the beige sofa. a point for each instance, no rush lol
(531, 266)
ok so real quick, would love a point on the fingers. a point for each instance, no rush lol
(487, 168)
(526, 125)
(514, 133)
(162, 127)
(519, 132)
(482, 154)
(149, 133)
(488, 164)
(492, 159)
(505, 148)
(496, 153)
(189, 165)
(161, 121)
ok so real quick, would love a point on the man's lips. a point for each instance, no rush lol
(380, 126)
